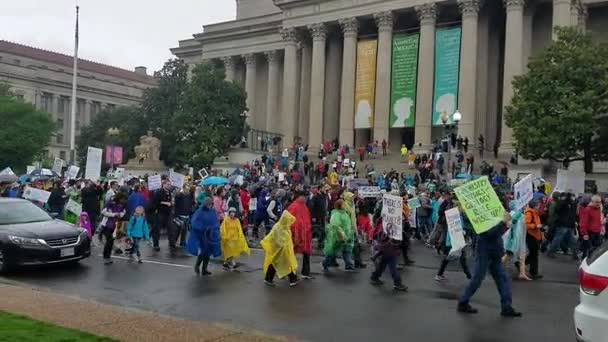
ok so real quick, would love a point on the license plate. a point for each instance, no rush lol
(67, 252)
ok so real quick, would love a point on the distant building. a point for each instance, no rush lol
(44, 78)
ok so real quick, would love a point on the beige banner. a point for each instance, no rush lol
(365, 87)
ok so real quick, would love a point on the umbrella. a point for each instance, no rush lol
(214, 180)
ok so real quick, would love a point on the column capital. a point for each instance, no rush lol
(289, 35)
(514, 5)
(272, 56)
(318, 31)
(469, 7)
(427, 13)
(350, 27)
(384, 21)
(249, 59)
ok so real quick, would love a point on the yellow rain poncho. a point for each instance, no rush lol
(349, 207)
(233, 240)
(278, 247)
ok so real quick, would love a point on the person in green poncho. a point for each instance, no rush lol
(73, 193)
(340, 238)
(349, 206)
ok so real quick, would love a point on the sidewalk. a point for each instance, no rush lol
(121, 323)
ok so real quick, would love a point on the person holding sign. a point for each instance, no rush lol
(447, 247)
(489, 252)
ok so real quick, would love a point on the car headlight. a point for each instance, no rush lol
(25, 241)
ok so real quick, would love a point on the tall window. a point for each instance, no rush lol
(59, 138)
(64, 104)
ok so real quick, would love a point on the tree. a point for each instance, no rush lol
(559, 110)
(209, 119)
(24, 131)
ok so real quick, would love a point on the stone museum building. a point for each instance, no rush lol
(44, 78)
(359, 70)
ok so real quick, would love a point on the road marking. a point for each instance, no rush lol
(152, 262)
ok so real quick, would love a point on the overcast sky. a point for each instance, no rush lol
(123, 33)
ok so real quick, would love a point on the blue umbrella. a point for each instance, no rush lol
(214, 180)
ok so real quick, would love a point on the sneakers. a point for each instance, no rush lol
(325, 268)
(510, 312)
(227, 267)
(108, 262)
(376, 282)
(157, 249)
(269, 283)
(350, 270)
(206, 273)
(293, 283)
(401, 288)
(466, 308)
(139, 261)
(307, 277)
(440, 278)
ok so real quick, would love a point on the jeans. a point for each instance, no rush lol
(271, 272)
(135, 247)
(562, 234)
(182, 232)
(595, 240)
(483, 262)
(446, 261)
(107, 248)
(162, 220)
(347, 256)
(391, 262)
(424, 226)
(306, 264)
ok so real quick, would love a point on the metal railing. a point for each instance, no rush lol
(264, 141)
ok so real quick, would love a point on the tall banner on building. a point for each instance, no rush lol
(447, 68)
(365, 86)
(404, 80)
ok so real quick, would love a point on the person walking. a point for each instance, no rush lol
(349, 207)
(340, 238)
(386, 254)
(204, 240)
(112, 212)
(591, 225)
(318, 211)
(534, 237)
(566, 218)
(183, 209)
(515, 241)
(162, 203)
(233, 240)
(279, 257)
(489, 251)
(301, 231)
(137, 230)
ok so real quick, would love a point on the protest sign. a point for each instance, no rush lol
(281, 176)
(176, 179)
(413, 215)
(570, 181)
(411, 190)
(72, 172)
(523, 191)
(452, 216)
(154, 182)
(92, 169)
(355, 183)
(34, 194)
(29, 169)
(73, 207)
(58, 165)
(347, 162)
(414, 203)
(369, 191)
(203, 173)
(481, 204)
(392, 219)
(7, 172)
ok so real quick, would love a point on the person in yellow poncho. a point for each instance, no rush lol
(232, 240)
(332, 177)
(349, 207)
(280, 258)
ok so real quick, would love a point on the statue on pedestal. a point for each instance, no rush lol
(147, 155)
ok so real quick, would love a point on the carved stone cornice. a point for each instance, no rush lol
(469, 7)
(318, 31)
(514, 4)
(289, 35)
(427, 13)
(249, 59)
(384, 21)
(350, 27)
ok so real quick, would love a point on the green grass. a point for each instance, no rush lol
(19, 328)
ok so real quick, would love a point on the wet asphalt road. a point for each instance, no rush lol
(336, 307)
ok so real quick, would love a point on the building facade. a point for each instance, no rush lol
(44, 78)
(361, 70)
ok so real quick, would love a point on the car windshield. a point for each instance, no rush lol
(21, 212)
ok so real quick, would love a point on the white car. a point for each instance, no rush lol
(591, 315)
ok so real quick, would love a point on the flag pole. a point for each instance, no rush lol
(74, 98)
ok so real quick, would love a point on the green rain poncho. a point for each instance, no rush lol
(349, 206)
(69, 216)
(340, 235)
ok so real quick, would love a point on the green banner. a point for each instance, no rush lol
(481, 204)
(447, 68)
(403, 80)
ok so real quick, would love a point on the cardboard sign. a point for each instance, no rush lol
(34, 194)
(72, 172)
(570, 181)
(58, 165)
(29, 169)
(92, 169)
(154, 183)
(203, 173)
(392, 219)
(346, 162)
(176, 179)
(369, 191)
(281, 176)
(414, 203)
(481, 204)
(455, 229)
(73, 207)
(523, 191)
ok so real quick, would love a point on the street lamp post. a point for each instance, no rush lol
(113, 132)
(447, 131)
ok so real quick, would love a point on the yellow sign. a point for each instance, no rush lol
(365, 86)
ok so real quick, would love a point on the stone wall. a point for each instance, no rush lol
(254, 8)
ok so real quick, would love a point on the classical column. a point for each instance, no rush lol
(514, 61)
(37, 99)
(272, 115)
(582, 18)
(290, 90)
(350, 28)
(427, 15)
(561, 14)
(384, 21)
(467, 89)
(87, 112)
(304, 110)
(55, 107)
(229, 66)
(250, 81)
(317, 84)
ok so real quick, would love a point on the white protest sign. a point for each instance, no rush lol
(73, 207)
(524, 191)
(570, 181)
(239, 180)
(119, 173)
(72, 172)
(346, 162)
(58, 165)
(203, 173)
(34, 194)
(29, 169)
(176, 179)
(7, 172)
(92, 170)
(369, 191)
(455, 230)
(392, 219)
(281, 176)
(154, 182)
